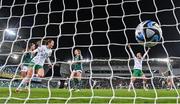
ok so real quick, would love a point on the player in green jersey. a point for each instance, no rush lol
(75, 77)
(27, 59)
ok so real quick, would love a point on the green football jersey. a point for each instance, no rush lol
(77, 65)
(27, 58)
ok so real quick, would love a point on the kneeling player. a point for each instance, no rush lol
(36, 64)
(75, 78)
(137, 70)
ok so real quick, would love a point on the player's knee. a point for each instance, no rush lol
(133, 78)
(72, 75)
(23, 74)
(29, 74)
(79, 74)
(41, 75)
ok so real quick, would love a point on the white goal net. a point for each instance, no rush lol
(102, 30)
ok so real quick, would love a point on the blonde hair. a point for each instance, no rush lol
(78, 50)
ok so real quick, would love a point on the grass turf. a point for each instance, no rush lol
(86, 96)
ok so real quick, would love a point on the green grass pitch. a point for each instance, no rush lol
(86, 96)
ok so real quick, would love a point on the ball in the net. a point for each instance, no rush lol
(148, 32)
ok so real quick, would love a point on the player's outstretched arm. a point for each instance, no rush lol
(36, 50)
(132, 53)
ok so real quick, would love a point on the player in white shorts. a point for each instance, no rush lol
(137, 70)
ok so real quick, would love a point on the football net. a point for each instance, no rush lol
(101, 29)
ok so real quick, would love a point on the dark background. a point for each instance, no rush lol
(100, 28)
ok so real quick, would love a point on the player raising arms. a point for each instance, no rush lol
(36, 64)
(27, 59)
(137, 70)
(75, 78)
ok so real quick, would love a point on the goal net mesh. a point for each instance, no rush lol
(101, 29)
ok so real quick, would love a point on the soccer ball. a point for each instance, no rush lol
(148, 32)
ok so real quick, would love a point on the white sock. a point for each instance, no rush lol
(144, 84)
(23, 82)
(130, 85)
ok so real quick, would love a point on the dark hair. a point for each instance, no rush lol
(49, 41)
(30, 44)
